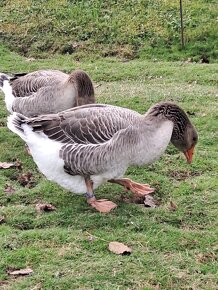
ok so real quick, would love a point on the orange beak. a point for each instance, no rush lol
(189, 154)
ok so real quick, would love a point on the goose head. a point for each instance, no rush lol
(185, 140)
(85, 88)
(184, 136)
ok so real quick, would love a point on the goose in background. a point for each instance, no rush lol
(46, 91)
(83, 147)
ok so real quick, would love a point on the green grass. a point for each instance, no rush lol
(129, 29)
(68, 248)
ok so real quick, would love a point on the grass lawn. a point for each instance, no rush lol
(68, 248)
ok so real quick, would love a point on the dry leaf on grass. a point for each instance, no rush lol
(91, 239)
(149, 201)
(3, 282)
(172, 206)
(2, 219)
(18, 164)
(27, 149)
(21, 272)
(119, 248)
(26, 180)
(30, 59)
(45, 207)
(9, 189)
(6, 165)
(37, 287)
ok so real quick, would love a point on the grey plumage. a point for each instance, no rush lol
(97, 137)
(48, 91)
(83, 147)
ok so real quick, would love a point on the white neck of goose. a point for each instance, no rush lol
(152, 140)
(163, 123)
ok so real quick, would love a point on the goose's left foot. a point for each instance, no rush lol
(136, 188)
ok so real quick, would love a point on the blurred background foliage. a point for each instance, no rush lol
(129, 28)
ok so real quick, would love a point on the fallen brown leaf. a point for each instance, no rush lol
(149, 201)
(18, 164)
(2, 219)
(22, 272)
(45, 207)
(37, 287)
(26, 180)
(172, 206)
(6, 165)
(91, 239)
(119, 248)
(30, 59)
(27, 149)
(3, 282)
(9, 189)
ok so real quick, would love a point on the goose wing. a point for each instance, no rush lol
(47, 100)
(24, 85)
(89, 124)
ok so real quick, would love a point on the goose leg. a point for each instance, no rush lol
(136, 188)
(101, 205)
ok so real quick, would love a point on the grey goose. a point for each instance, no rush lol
(83, 147)
(46, 91)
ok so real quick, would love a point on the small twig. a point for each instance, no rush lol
(98, 86)
(97, 237)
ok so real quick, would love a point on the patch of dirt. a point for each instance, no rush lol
(205, 258)
(183, 174)
(147, 200)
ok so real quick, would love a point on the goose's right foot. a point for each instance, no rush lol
(101, 205)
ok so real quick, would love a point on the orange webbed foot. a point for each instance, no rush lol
(102, 205)
(139, 189)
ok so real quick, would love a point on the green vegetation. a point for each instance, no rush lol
(68, 248)
(129, 29)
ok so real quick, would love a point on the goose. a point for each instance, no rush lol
(83, 147)
(46, 91)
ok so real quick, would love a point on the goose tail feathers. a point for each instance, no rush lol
(3, 77)
(6, 87)
(15, 122)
